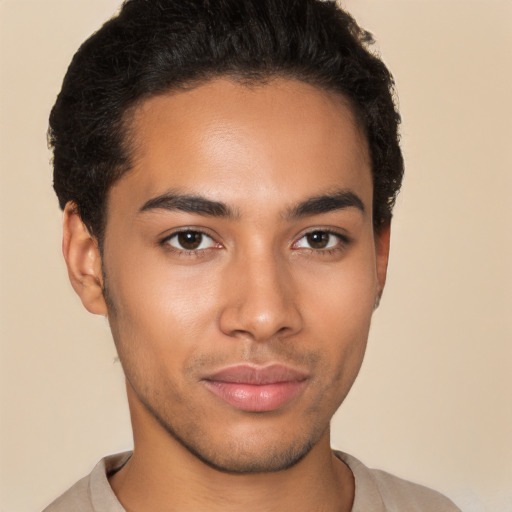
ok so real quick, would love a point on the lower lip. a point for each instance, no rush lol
(256, 398)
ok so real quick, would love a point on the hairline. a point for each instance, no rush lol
(249, 79)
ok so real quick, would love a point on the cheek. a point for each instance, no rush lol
(338, 310)
(342, 335)
(341, 299)
(161, 311)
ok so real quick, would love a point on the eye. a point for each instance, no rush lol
(319, 240)
(190, 240)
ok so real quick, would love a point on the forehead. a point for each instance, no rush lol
(234, 142)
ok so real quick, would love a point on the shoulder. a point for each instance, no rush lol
(76, 497)
(397, 492)
(378, 490)
(93, 492)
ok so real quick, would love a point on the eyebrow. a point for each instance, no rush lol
(190, 204)
(200, 205)
(340, 200)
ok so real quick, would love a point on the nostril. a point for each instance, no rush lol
(283, 331)
(242, 322)
(259, 306)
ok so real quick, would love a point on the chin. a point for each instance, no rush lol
(238, 458)
(250, 450)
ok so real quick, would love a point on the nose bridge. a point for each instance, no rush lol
(261, 301)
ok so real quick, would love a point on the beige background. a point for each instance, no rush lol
(433, 401)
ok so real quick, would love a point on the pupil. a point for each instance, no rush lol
(190, 240)
(318, 239)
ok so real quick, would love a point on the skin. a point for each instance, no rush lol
(257, 291)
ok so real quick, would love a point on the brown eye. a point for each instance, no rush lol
(190, 241)
(318, 239)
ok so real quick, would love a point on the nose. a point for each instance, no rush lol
(260, 300)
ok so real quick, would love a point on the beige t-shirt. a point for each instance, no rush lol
(375, 491)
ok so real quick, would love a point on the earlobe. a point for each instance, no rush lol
(83, 260)
(382, 242)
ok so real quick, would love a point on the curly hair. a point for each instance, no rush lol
(155, 46)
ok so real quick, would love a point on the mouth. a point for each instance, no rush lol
(256, 389)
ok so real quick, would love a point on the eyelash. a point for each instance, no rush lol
(192, 252)
(343, 242)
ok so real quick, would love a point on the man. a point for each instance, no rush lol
(227, 171)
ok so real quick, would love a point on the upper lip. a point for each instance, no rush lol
(257, 375)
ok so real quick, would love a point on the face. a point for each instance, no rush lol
(242, 268)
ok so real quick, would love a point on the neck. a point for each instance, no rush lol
(163, 476)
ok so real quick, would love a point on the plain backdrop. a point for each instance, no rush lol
(433, 401)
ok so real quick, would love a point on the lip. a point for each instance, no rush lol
(256, 389)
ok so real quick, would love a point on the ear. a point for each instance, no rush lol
(83, 260)
(382, 241)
